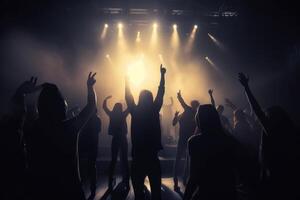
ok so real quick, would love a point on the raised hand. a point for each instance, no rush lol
(179, 94)
(210, 91)
(28, 87)
(91, 79)
(243, 79)
(176, 113)
(162, 69)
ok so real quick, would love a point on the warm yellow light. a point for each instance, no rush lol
(120, 25)
(195, 26)
(154, 36)
(206, 57)
(138, 36)
(136, 72)
(107, 56)
(105, 25)
(175, 38)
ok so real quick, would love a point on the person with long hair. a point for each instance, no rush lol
(212, 159)
(146, 138)
(118, 130)
(52, 144)
(280, 149)
(187, 126)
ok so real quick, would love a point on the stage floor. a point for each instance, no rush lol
(121, 193)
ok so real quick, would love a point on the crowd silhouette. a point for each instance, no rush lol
(254, 155)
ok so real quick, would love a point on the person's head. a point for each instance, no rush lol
(279, 119)
(208, 120)
(195, 104)
(145, 99)
(51, 104)
(220, 109)
(118, 108)
(238, 116)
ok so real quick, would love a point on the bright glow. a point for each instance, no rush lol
(138, 36)
(161, 59)
(107, 56)
(175, 38)
(190, 42)
(154, 37)
(104, 31)
(136, 72)
(212, 64)
(120, 25)
(217, 42)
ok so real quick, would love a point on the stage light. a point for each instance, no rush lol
(217, 42)
(138, 37)
(206, 57)
(175, 38)
(120, 25)
(107, 56)
(190, 42)
(136, 72)
(154, 37)
(104, 31)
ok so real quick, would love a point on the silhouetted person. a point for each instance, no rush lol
(118, 130)
(52, 145)
(187, 127)
(280, 149)
(146, 139)
(212, 159)
(220, 108)
(167, 122)
(12, 149)
(88, 149)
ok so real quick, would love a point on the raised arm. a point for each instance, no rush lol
(161, 89)
(90, 108)
(181, 101)
(18, 109)
(105, 108)
(212, 100)
(230, 104)
(176, 118)
(126, 112)
(253, 102)
(128, 95)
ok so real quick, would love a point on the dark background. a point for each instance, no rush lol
(263, 40)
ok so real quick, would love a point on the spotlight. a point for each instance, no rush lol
(195, 26)
(206, 58)
(154, 25)
(106, 25)
(175, 26)
(107, 56)
(120, 25)
(138, 38)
